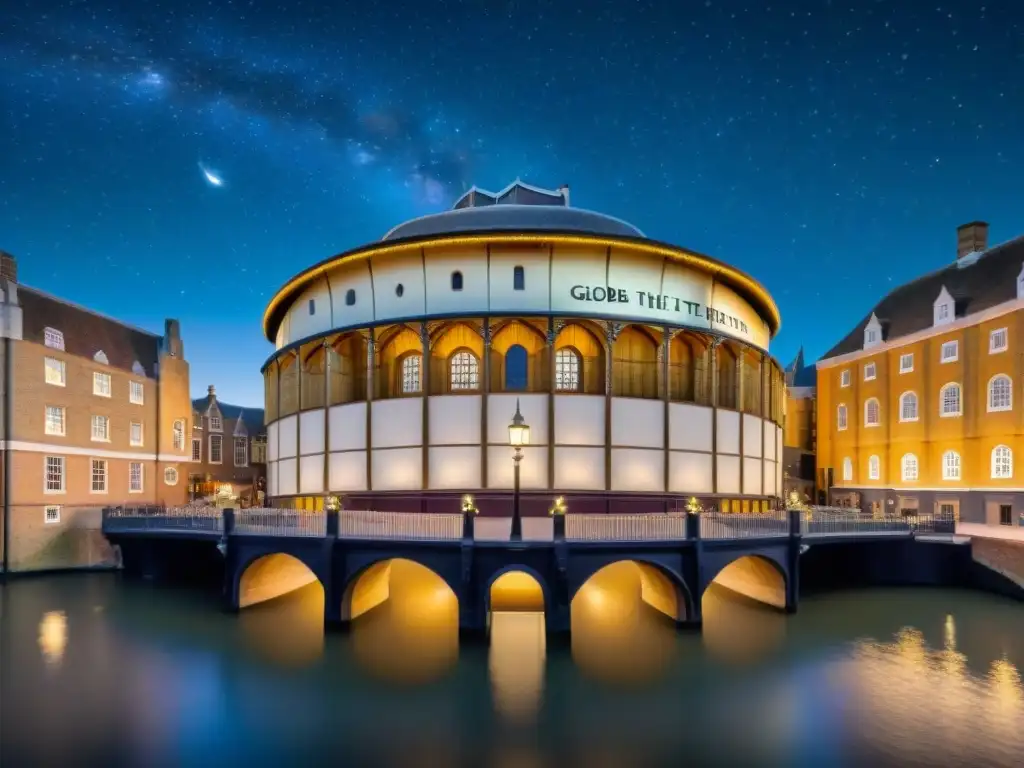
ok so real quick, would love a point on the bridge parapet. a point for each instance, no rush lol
(658, 526)
(194, 518)
(268, 521)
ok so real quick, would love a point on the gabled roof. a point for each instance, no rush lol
(516, 193)
(798, 374)
(975, 285)
(251, 417)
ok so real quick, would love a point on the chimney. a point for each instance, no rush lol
(564, 191)
(8, 267)
(971, 238)
(172, 339)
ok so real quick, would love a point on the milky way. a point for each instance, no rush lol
(828, 149)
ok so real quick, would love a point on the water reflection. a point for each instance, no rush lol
(53, 637)
(739, 630)
(516, 664)
(287, 630)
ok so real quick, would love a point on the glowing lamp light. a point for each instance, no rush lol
(332, 504)
(518, 430)
(693, 506)
(559, 507)
(468, 507)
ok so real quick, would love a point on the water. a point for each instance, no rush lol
(97, 671)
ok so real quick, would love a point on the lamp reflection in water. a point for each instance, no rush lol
(518, 646)
(53, 637)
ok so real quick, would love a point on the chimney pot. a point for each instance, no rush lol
(8, 267)
(211, 391)
(971, 238)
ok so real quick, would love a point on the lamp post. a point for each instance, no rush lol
(518, 436)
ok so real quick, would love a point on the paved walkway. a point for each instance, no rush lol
(982, 531)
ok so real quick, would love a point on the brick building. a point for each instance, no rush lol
(94, 412)
(229, 450)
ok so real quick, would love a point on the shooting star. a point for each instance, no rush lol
(211, 176)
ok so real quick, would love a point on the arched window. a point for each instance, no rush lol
(908, 406)
(841, 417)
(171, 476)
(1000, 393)
(847, 469)
(908, 467)
(874, 468)
(456, 281)
(464, 370)
(949, 400)
(951, 465)
(871, 413)
(1002, 462)
(518, 279)
(567, 370)
(411, 370)
(350, 297)
(516, 368)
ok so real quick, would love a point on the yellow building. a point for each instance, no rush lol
(799, 432)
(918, 407)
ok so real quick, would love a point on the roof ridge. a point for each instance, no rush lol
(81, 308)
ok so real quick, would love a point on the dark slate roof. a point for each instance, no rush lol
(521, 218)
(86, 332)
(516, 193)
(989, 281)
(798, 374)
(251, 417)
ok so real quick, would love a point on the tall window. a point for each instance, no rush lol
(178, 435)
(516, 364)
(56, 371)
(55, 420)
(847, 469)
(101, 384)
(54, 480)
(844, 379)
(908, 406)
(135, 477)
(136, 393)
(101, 429)
(1000, 393)
(872, 417)
(949, 399)
(567, 370)
(135, 433)
(874, 468)
(1002, 462)
(950, 352)
(951, 465)
(870, 372)
(464, 370)
(197, 449)
(908, 467)
(411, 370)
(216, 448)
(841, 417)
(99, 476)
(518, 279)
(241, 452)
(997, 341)
(456, 281)
(907, 362)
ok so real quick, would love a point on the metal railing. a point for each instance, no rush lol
(720, 525)
(665, 526)
(834, 522)
(368, 524)
(191, 517)
(267, 521)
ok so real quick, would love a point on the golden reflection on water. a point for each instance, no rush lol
(516, 664)
(287, 630)
(53, 637)
(739, 630)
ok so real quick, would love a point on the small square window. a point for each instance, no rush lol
(53, 338)
(51, 514)
(136, 393)
(997, 341)
(215, 424)
(869, 372)
(844, 379)
(950, 352)
(56, 372)
(907, 362)
(101, 384)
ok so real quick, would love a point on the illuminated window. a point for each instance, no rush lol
(567, 370)
(908, 406)
(135, 475)
(101, 429)
(99, 476)
(841, 417)
(908, 467)
(951, 465)
(216, 447)
(178, 435)
(464, 370)
(847, 470)
(872, 416)
(55, 424)
(874, 468)
(101, 384)
(1000, 393)
(997, 341)
(949, 398)
(1002, 462)
(56, 372)
(411, 370)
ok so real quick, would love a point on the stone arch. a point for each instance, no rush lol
(585, 339)
(518, 582)
(447, 342)
(635, 363)
(655, 585)
(756, 577)
(688, 368)
(371, 585)
(273, 574)
(314, 369)
(517, 333)
(288, 383)
(397, 344)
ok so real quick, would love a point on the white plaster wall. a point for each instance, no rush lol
(311, 432)
(347, 427)
(455, 419)
(471, 261)
(635, 276)
(455, 468)
(388, 272)
(272, 454)
(535, 263)
(752, 431)
(397, 423)
(728, 474)
(769, 440)
(638, 423)
(638, 469)
(579, 420)
(356, 276)
(690, 472)
(397, 469)
(690, 285)
(579, 469)
(271, 478)
(302, 324)
(728, 432)
(502, 407)
(533, 470)
(770, 489)
(287, 477)
(311, 474)
(778, 459)
(577, 265)
(728, 301)
(689, 427)
(752, 483)
(778, 477)
(287, 436)
(348, 471)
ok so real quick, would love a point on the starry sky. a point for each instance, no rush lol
(183, 159)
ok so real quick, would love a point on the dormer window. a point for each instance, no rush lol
(215, 423)
(101, 358)
(872, 332)
(943, 311)
(53, 338)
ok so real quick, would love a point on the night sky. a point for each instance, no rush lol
(830, 149)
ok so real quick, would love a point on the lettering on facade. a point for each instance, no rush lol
(689, 310)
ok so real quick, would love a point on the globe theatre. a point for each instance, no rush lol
(641, 368)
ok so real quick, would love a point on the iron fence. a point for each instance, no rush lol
(830, 522)
(721, 525)
(663, 526)
(369, 524)
(190, 517)
(267, 521)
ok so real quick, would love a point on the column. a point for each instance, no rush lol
(740, 391)
(298, 422)
(666, 396)
(611, 334)
(485, 388)
(551, 336)
(371, 382)
(712, 355)
(425, 366)
(327, 417)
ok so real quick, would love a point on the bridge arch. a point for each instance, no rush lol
(420, 587)
(757, 577)
(516, 588)
(630, 582)
(271, 575)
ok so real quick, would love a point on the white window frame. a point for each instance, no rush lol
(943, 413)
(870, 372)
(910, 469)
(847, 470)
(55, 371)
(197, 456)
(997, 455)
(874, 468)
(136, 393)
(878, 412)
(998, 341)
(1008, 406)
(243, 443)
(412, 373)
(951, 466)
(216, 423)
(51, 514)
(171, 476)
(942, 313)
(142, 477)
(844, 378)
(946, 347)
(842, 417)
(93, 464)
(209, 454)
(98, 385)
(903, 406)
(105, 433)
(53, 339)
(62, 411)
(907, 362)
(178, 435)
(62, 463)
(131, 434)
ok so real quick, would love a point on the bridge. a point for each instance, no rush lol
(669, 558)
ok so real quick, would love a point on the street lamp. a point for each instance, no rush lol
(518, 436)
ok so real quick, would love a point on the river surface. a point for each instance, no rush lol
(98, 671)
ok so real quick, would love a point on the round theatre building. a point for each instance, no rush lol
(641, 368)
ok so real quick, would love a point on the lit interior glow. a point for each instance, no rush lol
(516, 591)
(756, 578)
(518, 647)
(272, 576)
(53, 636)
